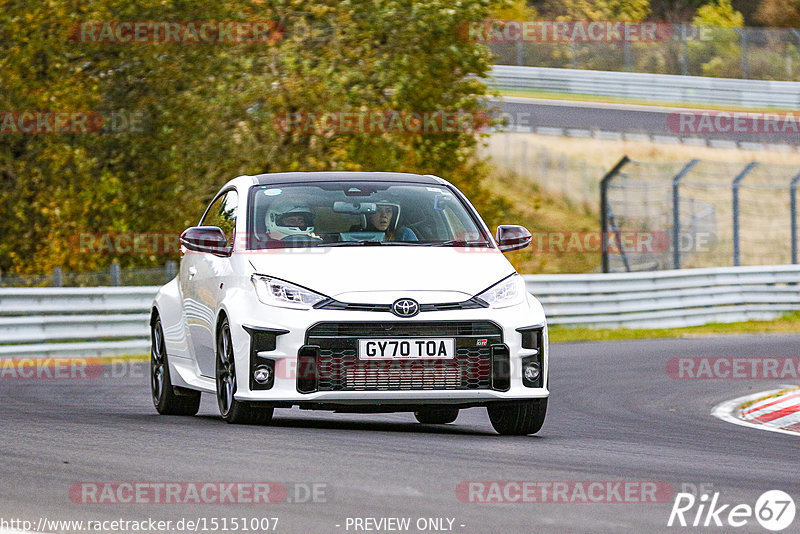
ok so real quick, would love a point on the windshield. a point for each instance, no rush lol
(359, 213)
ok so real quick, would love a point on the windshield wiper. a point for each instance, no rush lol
(374, 243)
(351, 244)
(459, 243)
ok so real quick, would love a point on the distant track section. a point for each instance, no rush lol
(650, 123)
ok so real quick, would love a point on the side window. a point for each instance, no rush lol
(223, 213)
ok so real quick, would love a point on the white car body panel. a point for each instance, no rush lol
(388, 269)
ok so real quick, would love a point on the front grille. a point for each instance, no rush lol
(338, 367)
(357, 330)
(471, 304)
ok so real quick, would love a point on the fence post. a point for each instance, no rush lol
(116, 275)
(793, 210)
(573, 54)
(735, 187)
(58, 277)
(171, 269)
(628, 55)
(744, 52)
(520, 52)
(796, 36)
(604, 207)
(676, 213)
(683, 55)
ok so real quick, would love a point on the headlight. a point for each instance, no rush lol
(284, 294)
(508, 292)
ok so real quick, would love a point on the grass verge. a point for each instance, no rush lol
(545, 213)
(603, 99)
(787, 324)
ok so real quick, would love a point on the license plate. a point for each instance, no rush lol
(407, 348)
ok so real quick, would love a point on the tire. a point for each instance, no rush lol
(518, 418)
(233, 411)
(168, 399)
(436, 416)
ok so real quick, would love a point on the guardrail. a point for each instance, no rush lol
(668, 299)
(75, 321)
(667, 88)
(106, 321)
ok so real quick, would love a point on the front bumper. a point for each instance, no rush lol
(288, 332)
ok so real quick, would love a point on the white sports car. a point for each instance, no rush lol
(352, 292)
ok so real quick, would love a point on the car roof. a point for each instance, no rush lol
(344, 176)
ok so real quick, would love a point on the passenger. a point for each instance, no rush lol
(381, 221)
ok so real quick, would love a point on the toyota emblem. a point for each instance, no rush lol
(405, 308)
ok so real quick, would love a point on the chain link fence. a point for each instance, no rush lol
(750, 53)
(573, 178)
(683, 214)
(699, 214)
(114, 276)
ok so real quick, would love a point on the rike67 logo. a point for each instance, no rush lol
(774, 510)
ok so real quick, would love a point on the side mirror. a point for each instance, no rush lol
(209, 239)
(512, 237)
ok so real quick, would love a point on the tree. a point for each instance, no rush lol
(781, 13)
(622, 10)
(719, 53)
(514, 10)
(210, 110)
(674, 11)
(719, 14)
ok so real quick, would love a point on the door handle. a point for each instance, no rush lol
(192, 272)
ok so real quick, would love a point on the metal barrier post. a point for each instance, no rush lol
(171, 269)
(628, 55)
(735, 187)
(793, 211)
(683, 54)
(604, 207)
(58, 277)
(745, 53)
(116, 275)
(676, 213)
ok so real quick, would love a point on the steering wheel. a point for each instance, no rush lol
(301, 238)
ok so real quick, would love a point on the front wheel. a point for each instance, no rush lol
(234, 411)
(518, 418)
(436, 416)
(167, 399)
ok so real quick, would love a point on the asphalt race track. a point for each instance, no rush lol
(614, 415)
(529, 114)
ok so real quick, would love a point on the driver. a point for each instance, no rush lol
(290, 219)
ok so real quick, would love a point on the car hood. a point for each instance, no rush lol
(352, 274)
